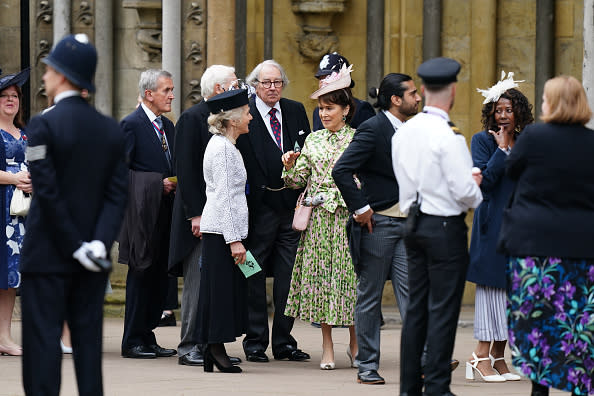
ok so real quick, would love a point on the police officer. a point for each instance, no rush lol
(434, 168)
(77, 163)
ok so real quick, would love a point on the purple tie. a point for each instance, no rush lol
(276, 127)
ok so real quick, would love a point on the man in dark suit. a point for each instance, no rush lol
(144, 240)
(77, 163)
(376, 210)
(278, 125)
(333, 63)
(191, 138)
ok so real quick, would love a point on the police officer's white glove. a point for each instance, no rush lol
(97, 248)
(81, 255)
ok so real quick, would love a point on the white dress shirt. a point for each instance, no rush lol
(264, 109)
(429, 158)
(152, 117)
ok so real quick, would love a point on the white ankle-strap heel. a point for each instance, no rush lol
(507, 376)
(471, 368)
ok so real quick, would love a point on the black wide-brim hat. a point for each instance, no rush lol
(439, 71)
(76, 59)
(17, 79)
(227, 100)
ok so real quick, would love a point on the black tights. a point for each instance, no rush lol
(219, 353)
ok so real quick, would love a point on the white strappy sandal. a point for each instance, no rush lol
(471, 368)
(507, 376)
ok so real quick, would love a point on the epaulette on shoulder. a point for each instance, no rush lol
(454, 128)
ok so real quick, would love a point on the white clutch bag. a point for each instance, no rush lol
(20, 203)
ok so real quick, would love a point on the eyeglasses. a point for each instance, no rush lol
(268, 84)
(6, 96)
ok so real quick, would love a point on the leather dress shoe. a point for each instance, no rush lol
(256, 356)
(139, 352)
(295, 355)
(235, 360)
(162, 352)
(192, 358)
(167, 319)
(370, 377)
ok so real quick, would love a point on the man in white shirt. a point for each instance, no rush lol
(434, 168)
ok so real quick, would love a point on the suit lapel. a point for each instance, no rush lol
(258, 134)
(288, 141)
(386, 128)
(155, 142)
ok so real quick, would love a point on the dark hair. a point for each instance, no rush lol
(18, 118)
(520, 105)
(390, 85)
(342, 97)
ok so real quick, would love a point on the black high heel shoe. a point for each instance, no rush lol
(539, 390)
(210, 359)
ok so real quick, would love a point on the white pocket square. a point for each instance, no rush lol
(301, 132)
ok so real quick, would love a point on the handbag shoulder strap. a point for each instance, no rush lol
(329, 165)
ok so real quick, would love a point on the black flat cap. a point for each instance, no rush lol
(439, 71)
(227, 100)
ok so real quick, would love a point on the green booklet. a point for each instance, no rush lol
(251, 266)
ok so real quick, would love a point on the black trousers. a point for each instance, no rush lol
(437, 262)
(47, 300)
(273, 243)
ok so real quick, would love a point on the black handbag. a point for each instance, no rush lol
(413, 217)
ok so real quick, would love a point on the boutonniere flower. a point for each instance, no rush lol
(301, 132)
(24, 137)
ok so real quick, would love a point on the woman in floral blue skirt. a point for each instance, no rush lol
(548, 235)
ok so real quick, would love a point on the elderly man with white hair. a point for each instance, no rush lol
(191, 138)
(278, 125)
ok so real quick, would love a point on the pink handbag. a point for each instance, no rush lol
(302, 213)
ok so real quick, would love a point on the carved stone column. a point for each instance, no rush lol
(148, 36)
(193, 44)
(41, 41)
(221, 32)
(317, 38)
(62, 19)
(172, 47)
(105, 49)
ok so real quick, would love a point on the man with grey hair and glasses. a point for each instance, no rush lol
(144, 239)
(279, 125)
(191, 138)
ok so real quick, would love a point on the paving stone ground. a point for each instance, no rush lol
(164, 377)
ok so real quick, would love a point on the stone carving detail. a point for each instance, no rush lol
(148, 35)
(85, 13)
(195, 94)
(43, 49)
(317, 37)
(195, 14)
(44, 12)
(195, 53)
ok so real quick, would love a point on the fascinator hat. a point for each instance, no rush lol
(494, 93)
(334, 81)
(17, 79)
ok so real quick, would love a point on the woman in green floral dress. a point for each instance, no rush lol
(323, 285)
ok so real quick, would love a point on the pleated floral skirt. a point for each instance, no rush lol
(551, 321)
(323, 284)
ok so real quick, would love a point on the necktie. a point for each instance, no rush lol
(276, 127)
(159, 125)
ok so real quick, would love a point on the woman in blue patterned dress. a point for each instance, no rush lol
(323, 283)
(548, 235)
(13, 174)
